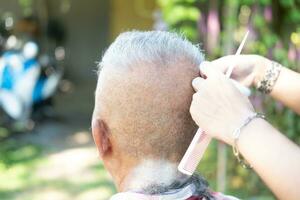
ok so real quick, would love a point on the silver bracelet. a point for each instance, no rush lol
(236, 135)
(270, 77)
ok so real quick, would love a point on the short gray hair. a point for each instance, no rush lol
(163, 54)
(154, 47)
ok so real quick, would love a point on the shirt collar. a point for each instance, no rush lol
(178, 194)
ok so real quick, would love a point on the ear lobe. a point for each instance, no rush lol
(100, 135)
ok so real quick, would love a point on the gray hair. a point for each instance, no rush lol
(162, 49)
(153, 47)
(157, 48)
(196, 179)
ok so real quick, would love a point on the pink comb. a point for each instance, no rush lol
(200, 142)
(194, 153)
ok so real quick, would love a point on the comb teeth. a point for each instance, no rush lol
(194, 153)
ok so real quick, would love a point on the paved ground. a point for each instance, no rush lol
(69, 167)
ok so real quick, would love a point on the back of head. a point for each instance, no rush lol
(144, 93)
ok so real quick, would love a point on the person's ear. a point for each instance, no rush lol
(100, 134)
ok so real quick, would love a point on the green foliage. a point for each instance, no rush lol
(181, 16)
(26, 6)
(275, 33)
(181, 13)
(3, 132)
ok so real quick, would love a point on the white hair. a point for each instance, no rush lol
(154, 47)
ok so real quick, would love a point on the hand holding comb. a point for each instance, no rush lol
(200, 142)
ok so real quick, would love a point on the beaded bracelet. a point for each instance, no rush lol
(236, 135)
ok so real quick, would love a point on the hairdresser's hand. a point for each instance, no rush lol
(248, 69)
(218, 107)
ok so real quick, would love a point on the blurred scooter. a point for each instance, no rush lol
(26, 82)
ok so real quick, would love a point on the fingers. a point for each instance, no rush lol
(244, 90)
(203, 68)
(210, 71)
(207, 69)
(197, 83)
(223, 63)
(237, 61)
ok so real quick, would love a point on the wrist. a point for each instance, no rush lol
(251, 132)
(236, 134)
(237, 123)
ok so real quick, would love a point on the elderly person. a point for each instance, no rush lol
(141, 122)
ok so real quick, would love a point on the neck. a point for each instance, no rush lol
(153, 177)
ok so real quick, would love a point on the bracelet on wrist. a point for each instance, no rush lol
(236, 135)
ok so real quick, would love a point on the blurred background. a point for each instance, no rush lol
(48, 56)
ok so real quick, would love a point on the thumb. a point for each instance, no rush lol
(207, 69)
(197, 82)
